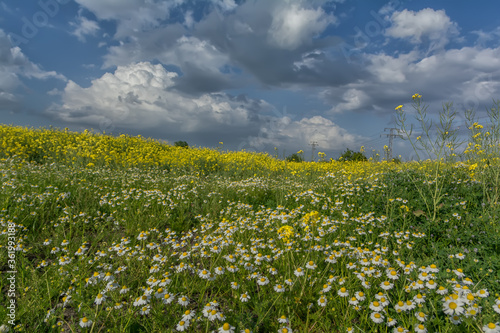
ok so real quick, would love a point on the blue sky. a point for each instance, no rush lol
(253, 74)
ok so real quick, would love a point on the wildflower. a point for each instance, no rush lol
(84, 322)
(283, 320)
(420, 329)
(285, 330)
(496, 307)
(311, 265)
(263, 281)
(183, 300)
(360, 296)
(124, 290)
(491, 328)
(343, 292)
(386, 285)
(377, 317)
(391, 322)
(376, 306)
(182, 326)
(234, 285)
(483, 293)
(188, 315)
(279, 288)
(453, 307)
(244, 298)
(400, 329)
(421, 316)
(299, 272)
(226, 328)
(145, 310)
(219, 270)
(99, 299)
(442, 290)
(400, 306)
(326, 288)
(398, 107)
(392, 274)
(354, 301)
(416, 96)
(322, 301)
(246, 331)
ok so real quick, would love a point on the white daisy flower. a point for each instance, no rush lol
(244, 297)
(226, 328)
(182, 326)
(183, 300)
(491, 328)
(376, 317)
(84, 322)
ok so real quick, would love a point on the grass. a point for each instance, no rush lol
(110, 247)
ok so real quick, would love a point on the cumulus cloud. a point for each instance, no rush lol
(293, 25)
(469, 76)
(288, 134)
(140, 96)
(428, 23)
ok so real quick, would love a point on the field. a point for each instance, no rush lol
(126, 234)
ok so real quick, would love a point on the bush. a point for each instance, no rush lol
(295, 158)
(350, 155)
(182, 144)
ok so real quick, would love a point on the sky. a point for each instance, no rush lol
(261, 75)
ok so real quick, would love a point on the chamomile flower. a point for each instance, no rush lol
(226, 328)
(183, 300)
(360, 296)
(386, 285)
(343, 292)
(100, 298)
(496, 307)
(400, 329)
(453, 307)
(244, 297)
(279, 288)
(145, 310)
(283, 320)
(491, 328)
(262, 281)
(311, 265)
(182, 326)
(391, 322)
(376, 306)
(322, 301)
(421, 316)
(299, 272)
(377, 317)
(84, 322)
(420, 329)
(188, 315)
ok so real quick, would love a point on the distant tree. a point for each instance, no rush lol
(350, 155)
(182, 144)
(295, 157)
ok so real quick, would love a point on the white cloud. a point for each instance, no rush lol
(139, 96)
(132, 15)
(225, 5)
(353, 99)
(426, 23)
(293, 26)
(84, 27)
(289, 135)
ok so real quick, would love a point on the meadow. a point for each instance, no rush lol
(127, 234)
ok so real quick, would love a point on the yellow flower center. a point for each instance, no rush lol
(226, 327)
(491, 326)
(453, 305)
(376, 303)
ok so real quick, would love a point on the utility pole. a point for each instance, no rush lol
(313, 145)
(391, 136)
